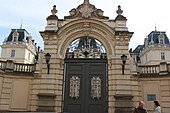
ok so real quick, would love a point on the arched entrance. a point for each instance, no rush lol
(85, 89)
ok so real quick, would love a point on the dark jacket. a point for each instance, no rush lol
(140, 110)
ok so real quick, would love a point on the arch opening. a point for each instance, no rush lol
(86, 47)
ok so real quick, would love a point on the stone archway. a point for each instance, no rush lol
(75, 29)
(90, 28)
(115, 39)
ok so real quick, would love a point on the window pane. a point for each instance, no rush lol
(162, 56)
(12, 53)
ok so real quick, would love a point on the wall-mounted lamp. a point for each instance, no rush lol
(47, 57)
(124, 58)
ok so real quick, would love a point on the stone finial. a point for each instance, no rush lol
(54, 11)
(119, 11)
(86, 1)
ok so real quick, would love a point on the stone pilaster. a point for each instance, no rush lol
(46, 102)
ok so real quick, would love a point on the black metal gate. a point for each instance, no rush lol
(85, 86)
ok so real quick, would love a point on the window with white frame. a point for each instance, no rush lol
(162, 56)
(12, 53)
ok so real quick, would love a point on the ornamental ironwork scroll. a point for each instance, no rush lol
(74, 87)
(86, 47)
(96, 87)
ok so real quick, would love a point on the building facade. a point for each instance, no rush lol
(19, 47)
(152, 60)
(86, 67)
(154, 50)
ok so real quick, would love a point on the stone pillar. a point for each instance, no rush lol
(46, 95)
(123, 95)
(9, 66)
(123, 103)
(163, 69)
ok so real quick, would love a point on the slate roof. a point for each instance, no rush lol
(138, 49)
(153, 36)
(23, 34)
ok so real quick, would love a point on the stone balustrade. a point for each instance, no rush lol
(148, 69)
(24, 67)
(9, 65)
(162, 69)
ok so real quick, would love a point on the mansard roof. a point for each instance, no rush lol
(153, 37)
(23, 34)
(138, 49)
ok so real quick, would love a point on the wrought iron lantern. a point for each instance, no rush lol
(124, 58)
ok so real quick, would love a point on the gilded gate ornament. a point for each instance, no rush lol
(74, 87)
(96, 87)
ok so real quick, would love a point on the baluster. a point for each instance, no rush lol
(152, 69)
(26, 68)
(149, 69)
(23, 68)
(31, 68)
(145, 69)
(1, 65)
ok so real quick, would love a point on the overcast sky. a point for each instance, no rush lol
(142, 15)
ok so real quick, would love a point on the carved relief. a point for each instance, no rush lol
(86, 10)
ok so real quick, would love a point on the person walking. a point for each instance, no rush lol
(140, 108)
(157, 108)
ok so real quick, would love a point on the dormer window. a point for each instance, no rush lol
(161, 41)
(161, 38)
(29, 39)
(15, 39)
(15, 36)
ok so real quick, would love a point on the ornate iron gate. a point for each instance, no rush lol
(85, 86)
